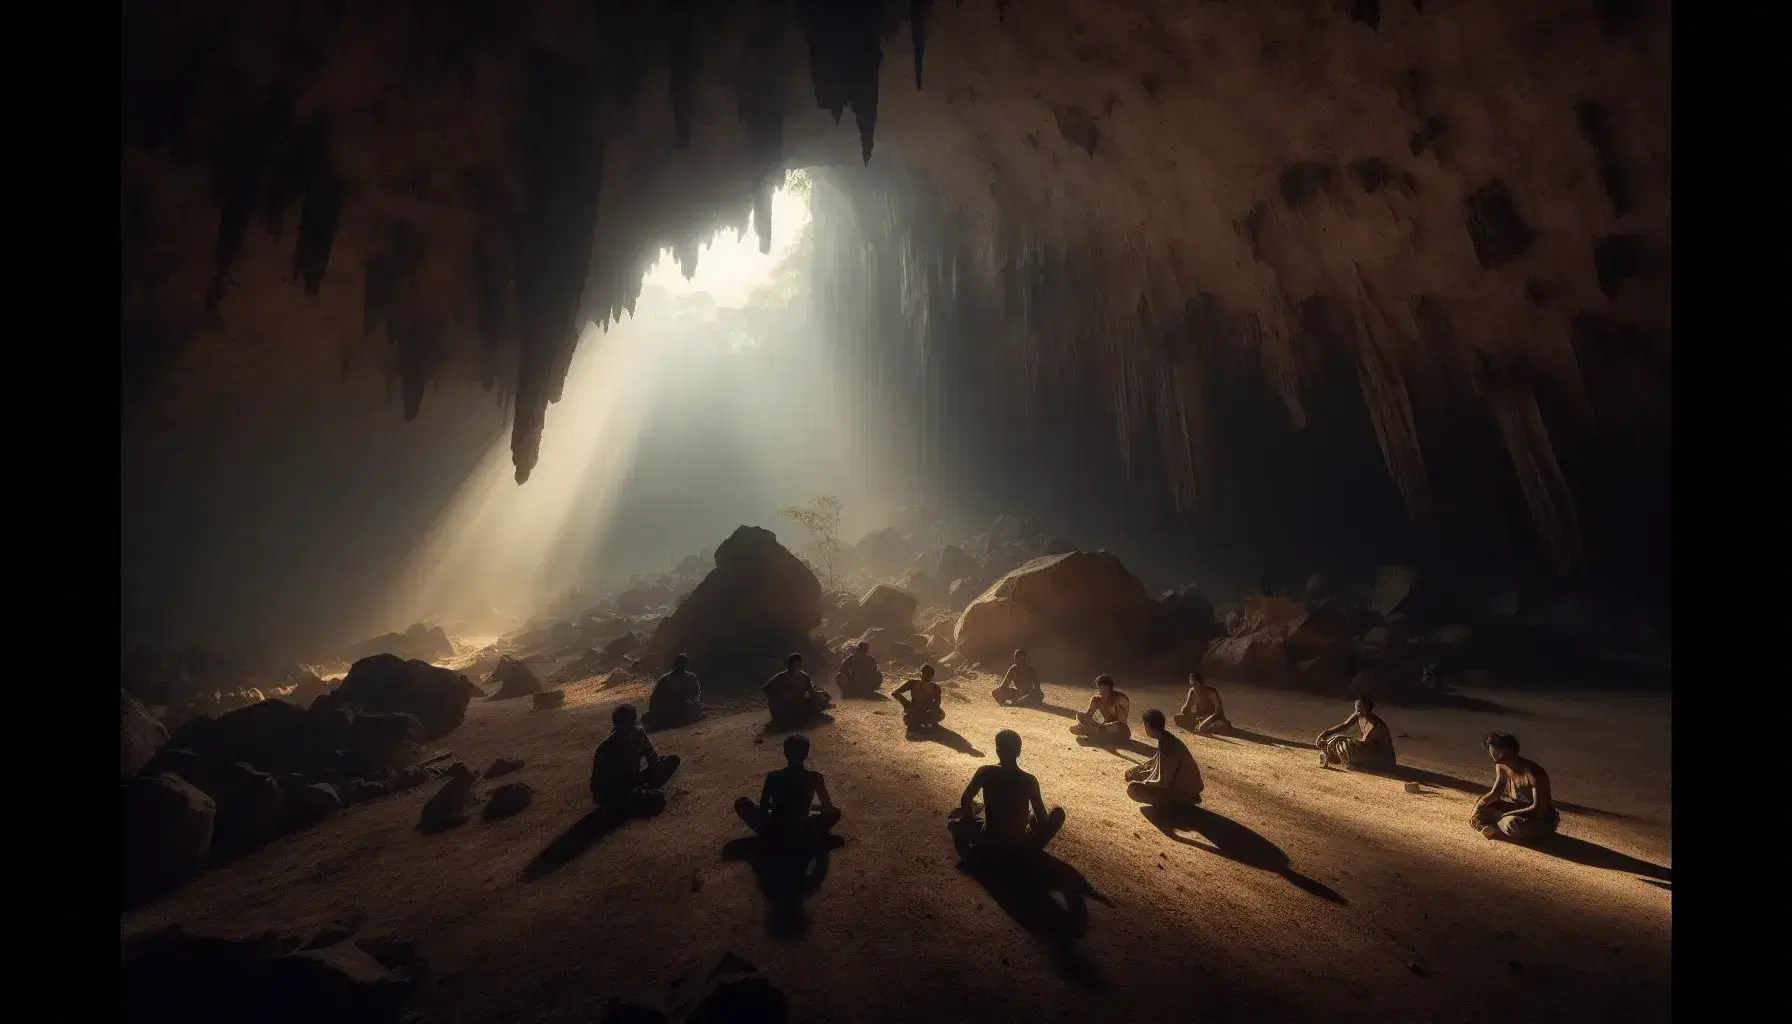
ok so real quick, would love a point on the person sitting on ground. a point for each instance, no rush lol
(920, 700)
(792, 696)
(1171, 778)
(1105, 720)
(1520, 807)
(627, 775)
(783, 812)
(1371, 747)
(1015, 820)
(677, 698)
(1020, 685)
(1202, 712)
(858, 674)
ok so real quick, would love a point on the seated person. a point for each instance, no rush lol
(1202, 712)
(783, 812)
(1520, 807)
(1171, 777)
(627, 774)
(791, 695)
(858, 674)
(677, 698)
(1105, 721)
(1371, 747)
(920, 700)
(1020, 685)
(1015, 820)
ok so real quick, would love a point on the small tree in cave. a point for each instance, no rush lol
(821, 517)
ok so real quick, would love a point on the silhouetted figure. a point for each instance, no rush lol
(783, 812)
(1202, 712)
(1521, 806)
(1371, 747)
(1170, 778)
(858, 675)
(677, 698)
(792, 697)
(921, 701)
(1015, 820)
(1020, 684)
(1432, 678)
(1105, 719)
(627, 775)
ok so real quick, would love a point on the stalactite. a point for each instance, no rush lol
(318, 218)
(917, 26)
(680, 30)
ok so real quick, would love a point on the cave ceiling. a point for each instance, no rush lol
(1464, 206)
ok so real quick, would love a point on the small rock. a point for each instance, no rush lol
(318, 801)
(696, 882)
(410, 777)
(508, 799)
(504, 766)
(336, 931)
(396, 952)
(547, 700)
(1515, 965)
(1415, 967)
(1413, 787)
(448, 806)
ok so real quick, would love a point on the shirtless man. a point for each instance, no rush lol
(791, 695)
(1015, 820)
(1105, 721)
(920, 700)
(1520, 807)
(1371, 747)
(627, 774)
(858, 675)
(783, 812)
(677, 698)
(1171, 777)
(1020, 685)
(1202, 712)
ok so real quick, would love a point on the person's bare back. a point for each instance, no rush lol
(1010, 796)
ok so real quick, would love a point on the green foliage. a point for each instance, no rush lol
(820, 516)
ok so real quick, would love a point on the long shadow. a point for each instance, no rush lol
(946, 738)
(1595, 856)
(1452, 701)
(568, 845)
(1132, 745)
(1669, 886)
(866, 695)
(1235, 842)
(1050, 709)
(1024, 886)
(657, 726)
(1269, 741)
(1438, 780)
(788, 873)
(785, 728)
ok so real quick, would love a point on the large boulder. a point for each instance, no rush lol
(955, 563)
(165, 833)
(882, 606)
(271, 735)
(756, 606)
(1254, 656)
(512, 679)
(420, 642)
(883, 551)
(1188, 612)
(377, 741)
(306, 687)
(255, 815)
(1269, 614)
(961, 593)
(1072, 612)
(139, 734)
(1318, 634)
(928, 592)
(385, 684)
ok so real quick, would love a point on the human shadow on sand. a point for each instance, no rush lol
(1050, 709)
(1234, 842)
(1049, 899)
(1450, 700)
(568, 845)
(870, 695)
(788, 873)
(786, 728)
(1595, 856)
(1438, 780)
(1114, 747)
(944, 737)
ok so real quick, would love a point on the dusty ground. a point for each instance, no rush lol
(1305, 894)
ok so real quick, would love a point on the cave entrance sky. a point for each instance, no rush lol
(696, 414)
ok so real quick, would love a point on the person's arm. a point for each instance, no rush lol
(765, 794)
(907, 687)
(696, 689)
(1219, 707)
(1499, 780)
(1036, 800)
(1340, 727)
(646, 744)
(1094, 706)
(1122, 709)
(821, 793)
(1540, 795)
(970, 791)
(1142, 770)
(1008, 677)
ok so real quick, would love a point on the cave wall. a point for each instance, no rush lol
(1465, 207)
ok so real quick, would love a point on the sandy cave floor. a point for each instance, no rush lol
(1305, 894)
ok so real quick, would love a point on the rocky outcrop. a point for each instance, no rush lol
(955, 563)
(420, 643)
(1261, 657)
(1072, 613)
(882, 607)
(139, 734)
(385, 684)
(757, 605)
(273, 736)
(512, 679)
(883, 551)
(165, 833)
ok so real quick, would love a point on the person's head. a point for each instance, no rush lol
(680, 662)
(926, 673)
(623, 718)
(1501, 746)
(796, 748)
(1105, 684)
(794, 662)
(1008, 746)
(1020, 656)
(1365, 705)
(863, 648)
(1154, 722)
(1197, 679)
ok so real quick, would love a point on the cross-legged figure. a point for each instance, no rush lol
(1020, 684)
(1520, 807)
(783, 813)
(1014, 821)
(1105, 720)
(792, 696)
(1171, 778)
(1371, 747)
(921, 704)
(1202, 712)
(858, 675)
(627, 775)
(677, 698)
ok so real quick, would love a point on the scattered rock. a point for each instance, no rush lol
(508, 799)
(883, 551)
(504, 766)
(378, 741)
(410, 777)
(384, 684)
(255, 816)
(448, 806)
(882, 607)
(733, 992)
(172, 976)
(318, 801)
(339, 930)
(955, 563)
(139, 735)
(514, 679)
(548, 699)
(420, 642)
(621, 1011)
(166, 825)
(271, 735)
